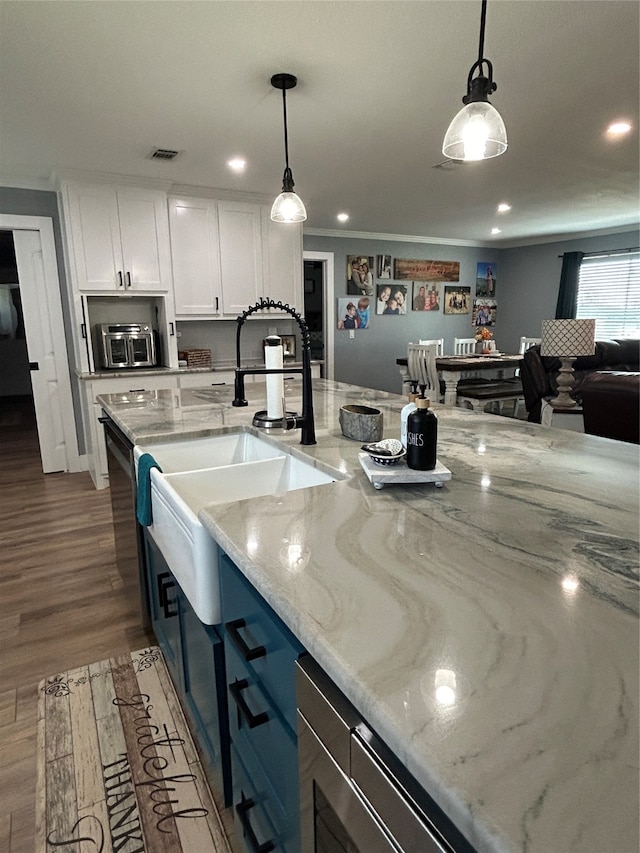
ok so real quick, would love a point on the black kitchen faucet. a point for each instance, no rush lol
(289, 420)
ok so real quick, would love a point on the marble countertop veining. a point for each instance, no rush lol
(487, 630)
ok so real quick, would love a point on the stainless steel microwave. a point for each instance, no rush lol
(124, 345)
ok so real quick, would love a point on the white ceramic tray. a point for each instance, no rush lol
(401, 473)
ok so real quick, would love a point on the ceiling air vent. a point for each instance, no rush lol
(164, 154)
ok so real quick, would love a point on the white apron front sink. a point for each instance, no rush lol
(214, 470)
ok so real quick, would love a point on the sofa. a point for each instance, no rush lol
(538, 373)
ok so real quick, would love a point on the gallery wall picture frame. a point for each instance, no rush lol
(406, 269)
(484, 312)
(354, 313)
(360, 275)
(486, 279)
(457, 300)
(383, 266)
(391, 299)
(426, 297)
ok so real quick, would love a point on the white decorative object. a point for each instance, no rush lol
(275, 383)
(566, 340)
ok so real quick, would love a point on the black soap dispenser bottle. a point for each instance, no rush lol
(422, 437)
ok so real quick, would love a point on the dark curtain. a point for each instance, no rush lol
(568, 290)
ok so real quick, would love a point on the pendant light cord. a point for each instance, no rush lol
(483, 18)
(286, 134)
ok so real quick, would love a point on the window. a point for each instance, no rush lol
(609, 290)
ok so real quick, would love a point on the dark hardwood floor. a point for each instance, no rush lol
(62, 602)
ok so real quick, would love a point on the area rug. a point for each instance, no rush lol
(117, 768)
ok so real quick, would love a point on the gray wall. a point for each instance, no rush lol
(532, 274)
(526, 293)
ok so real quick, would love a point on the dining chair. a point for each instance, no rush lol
(439, 342)
(464, 346)
(421, 363)
(525, 343)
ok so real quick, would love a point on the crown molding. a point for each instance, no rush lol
(399, 238)
(541, 239)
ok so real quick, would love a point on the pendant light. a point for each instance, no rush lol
(288, 207)
(477, 132)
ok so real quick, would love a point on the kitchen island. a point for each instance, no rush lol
(516, 583)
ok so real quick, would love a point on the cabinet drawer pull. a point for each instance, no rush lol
(243, 808)
(128, 279)
(120, 282)
(238, 641)
(252, 720)
(164, 585)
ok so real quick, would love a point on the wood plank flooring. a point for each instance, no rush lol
(62, 602)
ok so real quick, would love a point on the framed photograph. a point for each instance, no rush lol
(426, 297)
(484, 312)
(486, 277)
(360, 275)
(383, 266)
(418, 270)
(354, 313)
(392, 299)
(457, 300)
(309, 285)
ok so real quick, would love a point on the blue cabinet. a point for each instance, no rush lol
(164, 610)
(260, 653)
(195, 658)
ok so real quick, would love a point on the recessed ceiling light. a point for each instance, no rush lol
(343, 217)
(618, 128)
(237, 164)
(496, 230)
(503, 207)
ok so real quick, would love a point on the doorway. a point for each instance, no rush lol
(47, 382)
(318, 307)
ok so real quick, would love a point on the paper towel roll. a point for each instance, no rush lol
(275, 383)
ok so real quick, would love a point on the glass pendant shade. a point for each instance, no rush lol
(288, 207)
(477, 132)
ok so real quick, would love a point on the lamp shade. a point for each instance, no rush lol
(568, 338)
(477, 132)
(288, 207)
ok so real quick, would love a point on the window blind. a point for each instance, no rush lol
(609, 291)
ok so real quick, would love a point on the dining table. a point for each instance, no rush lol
(452, 367)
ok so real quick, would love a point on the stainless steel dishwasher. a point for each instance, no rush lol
(355, 796)
(129, 542)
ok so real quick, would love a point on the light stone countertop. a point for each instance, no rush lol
(516, 583)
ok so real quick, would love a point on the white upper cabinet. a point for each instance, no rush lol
(119, 238)
(193, 223)
(240, 234)
(283, 263)
(229, 254)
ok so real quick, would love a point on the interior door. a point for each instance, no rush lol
(47, 356)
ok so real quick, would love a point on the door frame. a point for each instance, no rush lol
(328, 324)
(44, 224)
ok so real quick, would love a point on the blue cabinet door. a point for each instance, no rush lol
(205, 695)
(164, 594)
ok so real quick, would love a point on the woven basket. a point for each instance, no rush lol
(195, 357)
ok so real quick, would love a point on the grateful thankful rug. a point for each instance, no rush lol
(117, 768)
